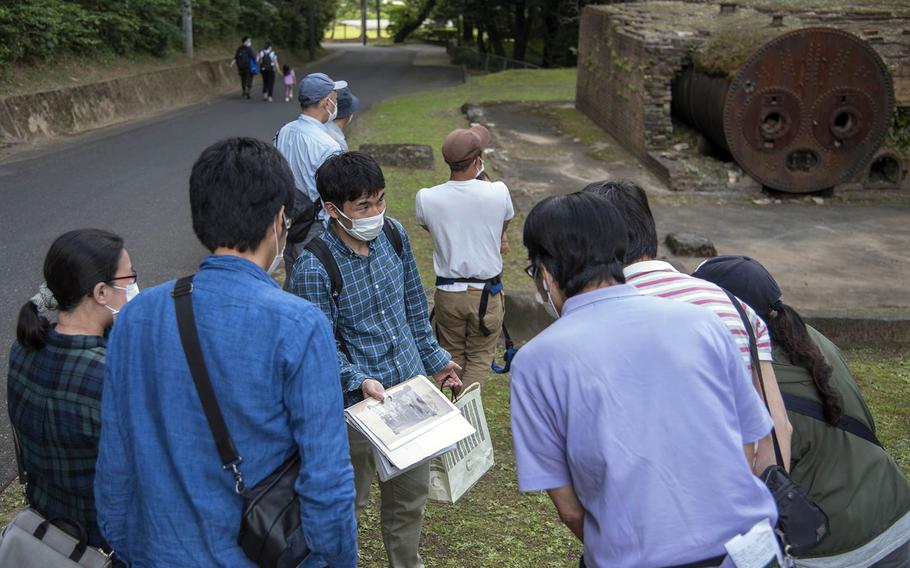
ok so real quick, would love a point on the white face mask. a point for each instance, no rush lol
(548, 304)
(333, 114)
(131, 290)
(365, 229)
(279, 254)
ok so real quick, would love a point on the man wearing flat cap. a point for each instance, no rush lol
(348, 104)
(306, 144)
(467, 218)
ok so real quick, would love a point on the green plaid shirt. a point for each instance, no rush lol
(54, 403)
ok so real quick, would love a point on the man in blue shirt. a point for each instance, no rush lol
(382, 326)
(162, 496)
(306, 144)
(634, 413)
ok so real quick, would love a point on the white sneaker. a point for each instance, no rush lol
(264, 96)
(270, 99)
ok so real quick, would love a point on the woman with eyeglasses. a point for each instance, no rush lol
(56, 372)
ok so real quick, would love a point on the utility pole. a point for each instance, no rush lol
(363, 21)
(187, 20)
(378, 18)
(311, 23)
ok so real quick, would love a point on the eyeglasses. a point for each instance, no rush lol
(531, 271)
(133, 277)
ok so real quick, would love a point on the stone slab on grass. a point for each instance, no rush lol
(690, 244)
(411, 156)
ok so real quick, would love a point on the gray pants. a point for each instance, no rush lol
(402, 503)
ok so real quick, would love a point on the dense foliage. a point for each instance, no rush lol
(540, 31)
(35, 30)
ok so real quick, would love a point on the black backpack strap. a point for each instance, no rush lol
(192, 348)
(394, 236)
(321, 251)
(814, 409)
(756, 364)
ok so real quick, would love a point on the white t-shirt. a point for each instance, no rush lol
(465, 219)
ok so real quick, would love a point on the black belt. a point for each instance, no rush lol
(491, 286)
(707, 563)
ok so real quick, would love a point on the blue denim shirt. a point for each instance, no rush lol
(162, 496)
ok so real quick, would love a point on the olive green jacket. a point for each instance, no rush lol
(854, 481)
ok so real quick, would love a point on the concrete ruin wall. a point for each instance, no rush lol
(624, 80)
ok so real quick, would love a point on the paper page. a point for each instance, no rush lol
(756, 549)
(449, 432)
(409, 410)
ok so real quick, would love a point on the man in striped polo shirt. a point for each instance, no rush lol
(659, 278)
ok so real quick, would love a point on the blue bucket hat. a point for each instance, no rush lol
(317, 86)
(347, 102)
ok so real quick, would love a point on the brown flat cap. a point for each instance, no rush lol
(464, 144)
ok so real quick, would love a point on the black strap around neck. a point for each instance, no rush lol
(756, 364)
(189, 337)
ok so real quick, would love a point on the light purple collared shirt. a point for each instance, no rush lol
(642, 405)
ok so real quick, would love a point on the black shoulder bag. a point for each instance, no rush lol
(270, 530)
(801, 523)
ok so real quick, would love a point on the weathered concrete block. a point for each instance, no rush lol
(413, 156)
(690, 244)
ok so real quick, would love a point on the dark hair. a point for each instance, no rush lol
(463, 165)
(286, 69)
(75, 263)
(348, 177)
(244, 39)
(237, 187)
(788, 331)
(268, 45)
(579, 238)
(632, 203)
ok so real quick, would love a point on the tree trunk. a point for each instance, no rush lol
(520, 31)
(496, 39)
(411, 27)
(467, 32)
(551, 33)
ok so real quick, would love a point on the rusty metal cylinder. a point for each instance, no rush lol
(805, 112)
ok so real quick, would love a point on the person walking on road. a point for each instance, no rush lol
(467, 218)
(243, 59)
(56, 372)
(306, 144)
(347, 106)
(268, 67)
(290, 80)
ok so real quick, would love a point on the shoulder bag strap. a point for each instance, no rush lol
(322, 253)
(192, 348)
(756, 364)
(814, 409)
(394, 236)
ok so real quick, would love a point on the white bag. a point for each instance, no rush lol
(32, 542)
(453, 473)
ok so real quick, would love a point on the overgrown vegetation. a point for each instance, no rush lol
(543, 32)
(39, 30)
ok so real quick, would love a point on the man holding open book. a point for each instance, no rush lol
(378, 308)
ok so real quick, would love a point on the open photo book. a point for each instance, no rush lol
(415, 423)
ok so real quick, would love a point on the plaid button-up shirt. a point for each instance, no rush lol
(382, 312)
(54, 403)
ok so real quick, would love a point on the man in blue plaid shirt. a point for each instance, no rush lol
(382, 325)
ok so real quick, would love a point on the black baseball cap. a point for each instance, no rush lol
(746, 278)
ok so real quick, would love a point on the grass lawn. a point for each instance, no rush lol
(342, 32)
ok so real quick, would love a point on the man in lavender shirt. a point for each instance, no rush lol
(633, 412)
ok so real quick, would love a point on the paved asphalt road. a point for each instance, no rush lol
(132, 179)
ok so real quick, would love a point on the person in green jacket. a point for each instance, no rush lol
(835, 454)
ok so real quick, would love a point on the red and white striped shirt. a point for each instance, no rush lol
(659, 278)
